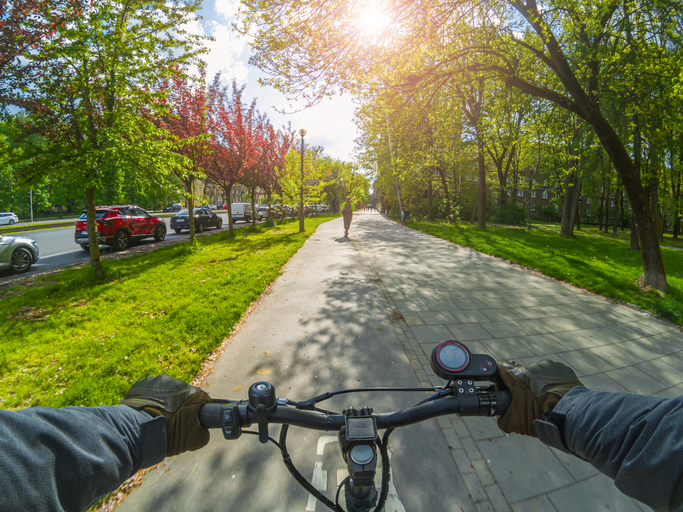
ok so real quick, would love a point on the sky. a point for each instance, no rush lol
(328, 124)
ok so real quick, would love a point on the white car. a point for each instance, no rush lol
(8, 218)
(241, 211)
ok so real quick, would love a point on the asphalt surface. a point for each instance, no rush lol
(322, 328)
(367, 311)
(58, 249)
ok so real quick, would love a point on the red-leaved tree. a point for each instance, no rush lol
(234, 147)
(188, 121)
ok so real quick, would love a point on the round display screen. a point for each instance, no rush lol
(453, 357)
(449, 358)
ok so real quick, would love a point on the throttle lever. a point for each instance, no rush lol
(262, 420)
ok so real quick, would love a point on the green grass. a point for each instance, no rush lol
(70, 341)
(599, 263)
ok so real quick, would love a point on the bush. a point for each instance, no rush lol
(512, 214)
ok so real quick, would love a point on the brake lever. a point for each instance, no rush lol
(262, 421)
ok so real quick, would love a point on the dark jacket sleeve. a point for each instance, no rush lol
(636, 440)
(66, 459)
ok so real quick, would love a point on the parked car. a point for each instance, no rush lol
(172, 208)
(241, 211)
(18, 253)
(263, 210)
(118, 225)
(8, 218)
(203, 218)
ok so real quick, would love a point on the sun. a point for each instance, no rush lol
(373, 20)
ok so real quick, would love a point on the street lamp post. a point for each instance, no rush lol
(302, 132)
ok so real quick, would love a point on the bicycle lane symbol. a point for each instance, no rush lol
(319, 480)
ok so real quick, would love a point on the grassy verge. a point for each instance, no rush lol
(597, 263)
(70, 341)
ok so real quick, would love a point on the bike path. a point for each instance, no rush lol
(323, 326)
(438, 290)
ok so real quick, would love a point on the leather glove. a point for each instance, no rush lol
(179, 403)
(535, 389)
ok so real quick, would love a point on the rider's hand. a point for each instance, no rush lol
(535, 389)
(179, 403)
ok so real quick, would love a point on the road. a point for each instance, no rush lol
(58, 249)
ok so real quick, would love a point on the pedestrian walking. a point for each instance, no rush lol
(347, 213)
(404, 216)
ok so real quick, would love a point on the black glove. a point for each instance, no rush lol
(535, 389)
(179, 403)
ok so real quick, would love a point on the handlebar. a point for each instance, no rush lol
(358, 429)
(480, 404)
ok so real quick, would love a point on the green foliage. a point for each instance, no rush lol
(511, 213)
(74, 341)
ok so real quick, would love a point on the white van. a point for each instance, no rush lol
(242, 211)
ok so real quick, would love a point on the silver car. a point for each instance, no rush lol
(18, 253)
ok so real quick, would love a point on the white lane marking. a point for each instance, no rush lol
(323, 441)
(319, 481)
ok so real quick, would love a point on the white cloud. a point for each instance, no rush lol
(226, 8)
(328, 124)
(225, 53)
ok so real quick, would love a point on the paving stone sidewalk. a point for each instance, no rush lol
(435, 290)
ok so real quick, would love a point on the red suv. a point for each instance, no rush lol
(118, 225)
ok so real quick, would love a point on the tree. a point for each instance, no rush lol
(90, 110)
(187, 119)
(234, 147)
(429, 44)
(28, 27)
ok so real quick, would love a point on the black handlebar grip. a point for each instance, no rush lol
(210, 416)
(503, 402)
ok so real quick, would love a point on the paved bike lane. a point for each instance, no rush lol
(322, 327)
(367, 311)
(437, 290)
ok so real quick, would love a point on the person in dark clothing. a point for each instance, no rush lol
(65, 459)
(404, 216)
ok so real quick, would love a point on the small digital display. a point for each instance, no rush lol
(453, 357)
(361, 428)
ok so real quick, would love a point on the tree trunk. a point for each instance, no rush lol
(190, 208)
(608, 192)
(653, 265)
(602, 199)
(444, 184)
(677, 224)
(228, 195)
(571, 192)
(481, 190)
(571, 188)
(653, 182)
(94, 243)
(528, 206)
(253, 206)
(615, 218)
(575, 206)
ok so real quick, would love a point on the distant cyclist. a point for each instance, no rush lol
(347, 213)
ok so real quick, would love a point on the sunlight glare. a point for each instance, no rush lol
(373, 20)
